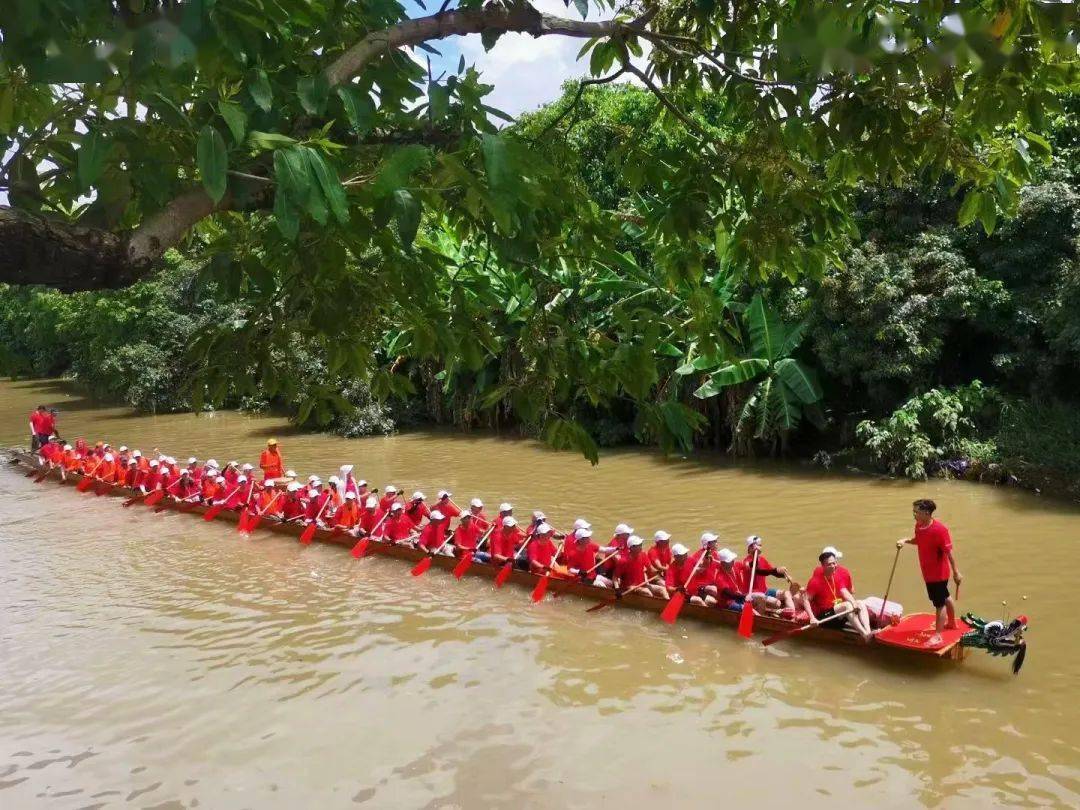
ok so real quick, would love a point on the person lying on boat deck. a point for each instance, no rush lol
(505, 541)
(433, 535)
(660, 555)
(830, 590)
(772, 598)
(270, 461)
(467, 534)
(580, 558)
(542, 549)
(417, 510)
(397, 528)
(445, 505)
(936, 560)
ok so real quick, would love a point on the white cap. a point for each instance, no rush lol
(753, 540)
(137, 453)
(211, 462)
(679, 550)
(315, 482)
(707, 538)
(506, 507)
(476, 502)
(268, 483)
(419, 496)
(371, 503)
(247, 467)
(192, 460)
(171, 460)
(67, 446)
(544, 528)
(293, 486)
(661, 536)
(538, 515)
(312, 477)
(239, 478)
(634, 541)
(361, 483)
(583, 534)
(132, 462)
(333, 479)
(396, 506)
(313, 493)
(582, 523)
(350, 496)
(833, 551)
(622, 528)
(345, 469)
(289, 474)
(509, 521)
(232, 463)
(444, 494)
(436, 515)
(153, 462)
(220, 479)
(123, 448)
(726, 555)
(391, 488)
(108, 457)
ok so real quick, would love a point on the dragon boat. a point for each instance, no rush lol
(906, 639)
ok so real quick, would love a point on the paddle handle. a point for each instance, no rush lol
(639, 585)
(235, 490)
(888, 587)
(610, 556)
(263, 511)
(753, 573)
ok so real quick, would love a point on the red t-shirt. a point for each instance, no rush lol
(823, 593)
(630, 569)
(416, 512)
(433, 535)
(37, 421)
(541, 552)
(467, 535)
(761, 584)
(293, 508)
(448, 508)
(386, 500)
(581, 557)
(660, 556)
(369, 519)
(732, 584)
(396, 528)
(676, 574)
(48, 424)
(934, 544)
(505, 541)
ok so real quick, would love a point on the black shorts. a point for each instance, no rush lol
(938, 592)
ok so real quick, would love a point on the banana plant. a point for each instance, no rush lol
(781, 390)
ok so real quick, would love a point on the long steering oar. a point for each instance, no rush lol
(88, 478)
(803, 628)
(746, 619)
(215, 510)
(542, 585)
(309, 533)
(360, 549)
(671, 611)
(606, 603)
(467, 557)
(425, 563)
(888, 587)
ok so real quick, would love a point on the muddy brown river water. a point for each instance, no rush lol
(154, 660)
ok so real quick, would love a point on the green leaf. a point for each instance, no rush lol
(286, 214)
(291, 174)
(582, 7)
(970, 208)
(988, 213)
(495, 161)
(359, 108)
(235, 119)
(799, 379)
(269, 140)
(330, 185)
(91, 159)
(259, 87)
(213, 162)
(314, 92)
(406, 215)
(567, 434)
(731, 374)
(396, 170)
(766, 329)
(438, 101)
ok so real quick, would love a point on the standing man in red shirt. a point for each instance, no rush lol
(270, 461)
(40, 423)
(935, 561)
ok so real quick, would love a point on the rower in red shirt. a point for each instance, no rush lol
(39, 432)
(231, 473)
(580, 555)
(417, 510)
(703, 585)
(830, 590)
(370, 515)
(660, 554)
(766, 599)
(132, 476)
(106, 471)
(506, 541)
(542, 550)
(389, 496)
(936, 561)
(210, 488)
(294, 508)
(269, 502)
(476, 509)
(238, 497)
(446, 505)
(678, 574)
(397, 528)
(467, 534)
(185, 487)
(617, 545)
(433, 535)
(632, 569)
(348, 515)
(732, 580)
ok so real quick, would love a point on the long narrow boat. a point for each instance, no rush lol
(905, 639)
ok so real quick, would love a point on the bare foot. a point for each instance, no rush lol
(950, 625)
(935, 640)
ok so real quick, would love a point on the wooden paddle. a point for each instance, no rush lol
(158, 494)
(542, 585)
(215, 510)
(88, 478)
(253, 523)
(885, 601)
(425, 563)
(508, 566)
(467, 557)
(245, 513)
(309, 533)
(360, 549)
(671, 611)
(609, 602)
(746, 619)
(44, 475)
(803, 628)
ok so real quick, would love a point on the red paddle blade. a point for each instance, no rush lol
(463, 564)
(308, 534)
(213, 512)
(85, 484)
(540, 589)
(360, 548)
(421, 566)
(154, 497)
(253, 523)
(674, 605)
(241, 523)
(780, 636)
(503, 575)
(746, 620)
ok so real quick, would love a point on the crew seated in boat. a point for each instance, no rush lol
(433, 535)
(831, 591)
(632, 571)
(397, 528)
(467, 535)
(579, 555)
(542, 549)
(774, 599)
